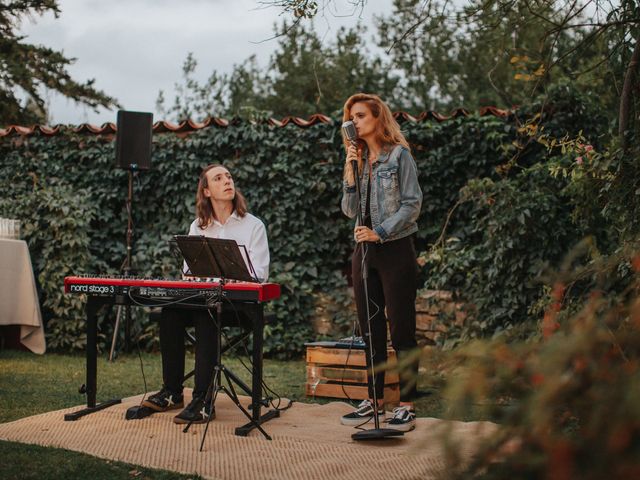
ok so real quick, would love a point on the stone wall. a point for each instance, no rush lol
(436, 312)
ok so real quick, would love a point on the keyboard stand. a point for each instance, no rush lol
(256, 378)
(89, 388)
(94, 303)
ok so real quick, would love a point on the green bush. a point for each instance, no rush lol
(518, 227)
(569, 405)
(292, 180)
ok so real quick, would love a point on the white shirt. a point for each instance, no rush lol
(248, 231)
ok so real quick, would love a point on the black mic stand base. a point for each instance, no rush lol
(377, 434)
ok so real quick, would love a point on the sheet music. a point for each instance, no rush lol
(208, 257)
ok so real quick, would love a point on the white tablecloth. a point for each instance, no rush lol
(18, 295)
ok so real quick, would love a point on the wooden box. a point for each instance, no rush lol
(342, 373)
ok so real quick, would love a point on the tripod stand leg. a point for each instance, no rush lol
(256, 392)
(234, 397)
(238, 381)
(212, 395)
(244, 430)
(115, 333)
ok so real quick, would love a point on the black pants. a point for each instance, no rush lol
(392, 283)
(173, 322)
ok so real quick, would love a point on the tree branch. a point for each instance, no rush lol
(625, 97)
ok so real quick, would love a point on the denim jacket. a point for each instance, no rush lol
(396, 197)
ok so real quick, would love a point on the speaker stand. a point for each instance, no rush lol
(126, 271)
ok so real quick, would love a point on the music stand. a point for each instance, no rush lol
(213, 257)
(220, 258)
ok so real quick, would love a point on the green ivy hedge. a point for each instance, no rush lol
(510, 236)
(70, 197)
(521, 227)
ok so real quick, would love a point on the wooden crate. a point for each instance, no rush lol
(340, 373)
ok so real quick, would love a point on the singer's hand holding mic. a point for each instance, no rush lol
(352, 156)
(352, 153)
(351, 134)
(365, 234)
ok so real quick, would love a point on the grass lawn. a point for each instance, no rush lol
(32, 384)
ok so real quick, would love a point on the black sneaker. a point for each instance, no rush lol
(198, 411)
(361, 415)
(164, 400)
(403, 419)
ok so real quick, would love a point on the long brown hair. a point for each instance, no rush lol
(387, 129)
(204, 209)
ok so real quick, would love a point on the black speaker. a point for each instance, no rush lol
(133, 140)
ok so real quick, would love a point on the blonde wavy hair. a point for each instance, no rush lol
(387, 132)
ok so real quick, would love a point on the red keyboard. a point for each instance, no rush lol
(170, 289)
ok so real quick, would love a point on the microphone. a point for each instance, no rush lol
(349, 131)
(351, 134)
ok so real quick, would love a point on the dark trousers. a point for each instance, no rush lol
(173, 322)
(392, 283)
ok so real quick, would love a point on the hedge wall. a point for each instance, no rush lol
(71, 200)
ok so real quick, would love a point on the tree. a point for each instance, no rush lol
(25, 69)
(193, 100)
(304, 76)
(490, 52)
(308, 76)
(507, 51)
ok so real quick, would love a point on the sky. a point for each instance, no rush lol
(135, 48)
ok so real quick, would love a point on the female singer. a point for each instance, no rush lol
(390, 201)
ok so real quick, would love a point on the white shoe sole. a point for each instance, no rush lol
(354, 422)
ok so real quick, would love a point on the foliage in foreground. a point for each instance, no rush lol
(569, 404)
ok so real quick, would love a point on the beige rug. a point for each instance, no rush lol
(308, 443)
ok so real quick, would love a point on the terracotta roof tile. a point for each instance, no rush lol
(459, 112)
(431, 115)
(404, 116)
(163, 126)
(32, 130)
(105, 129)
(187, 126)
(495, 111)
(300, 122)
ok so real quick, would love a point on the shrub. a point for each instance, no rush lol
(569, 405)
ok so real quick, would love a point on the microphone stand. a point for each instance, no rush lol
(377, 433)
